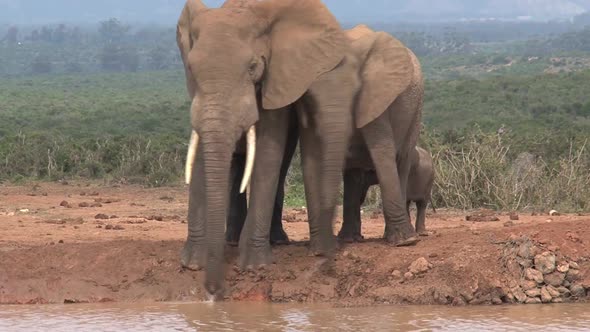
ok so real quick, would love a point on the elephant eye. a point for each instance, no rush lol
(253, 66)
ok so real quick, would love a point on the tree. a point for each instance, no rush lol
(11, 36)
(112, 31)
(41, 65)
(157, 58)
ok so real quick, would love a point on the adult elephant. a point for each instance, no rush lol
(246, 63)
(387, 114)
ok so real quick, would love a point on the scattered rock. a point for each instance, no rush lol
(557, 300)
(519, 295)
(554, 279)
(101, 216)
(508, 224)
(157, 218)
(532, 274)
(514, 216)
(554, 292)
(114, 217)
(65, 204)
(535, 292)
(554, 213)
(95, 193)
(114, 227)
(545, 295)
(574, 265)
(483, 216)
(563, 268)
(458, 302)
(83, 205)
(572, 275)
(83, 193)
(545, 262)
(60, 241)
(396, 274)
(408, 275)
(496, 301)
(421, 265)
(533, 300)
(578, 291)
(167, 199)
(528, 285)
(95, 205)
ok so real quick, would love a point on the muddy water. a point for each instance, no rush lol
(263, 317)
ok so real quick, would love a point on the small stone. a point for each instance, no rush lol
(536, 276)
(458, 302)
(533, 300)
(554, 292)
(408, 275)
(563, 268)
(496, 301)
(545, 262)
(563, 290)
(468, 296)
(60, 241)
(572, 275)
(525, 263)
(533, 292)
(396, 274)
(95, 205)
(528, 285)
(554, 279)
(83, 205)
(566, 283)
(421, 265)
(510, 298)
(114, 217)
(101, 216)
(557, 300)
(545, 296)
(519, 295)
(344, 254)
(65, 204)
(574, 265)
(554, 213)
(509, 223)
(578, 291)
(514, 216)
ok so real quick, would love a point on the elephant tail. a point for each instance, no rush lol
(432, 205)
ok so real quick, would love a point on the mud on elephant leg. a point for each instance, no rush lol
(238, 207)
(379, 138)
(272, 134)
(194, 252)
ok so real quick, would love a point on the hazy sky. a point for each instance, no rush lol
(166, 11)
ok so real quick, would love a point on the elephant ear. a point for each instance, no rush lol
(306, 41)
(387, 72)
(185, 38)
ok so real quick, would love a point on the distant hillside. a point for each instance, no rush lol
(166, 11)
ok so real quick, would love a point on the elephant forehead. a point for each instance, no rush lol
(239, 21)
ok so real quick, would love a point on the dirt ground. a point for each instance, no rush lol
(83, 242)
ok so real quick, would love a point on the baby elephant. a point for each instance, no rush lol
(357, 183)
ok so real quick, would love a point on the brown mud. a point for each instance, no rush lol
(77, 243)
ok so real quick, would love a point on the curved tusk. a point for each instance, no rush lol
(190, 157)
(250, 155)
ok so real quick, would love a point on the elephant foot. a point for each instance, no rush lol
(423, 232)
(193, 256)
(279, 238)
(254, 256)
(346, 237)
(232, 238)
(402, 235)
(323, 248)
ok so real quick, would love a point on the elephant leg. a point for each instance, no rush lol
(278, 236)
(379, 138)
(194, 252)
(353, 199)
(272, 131)
(310, 165)
(408, 203)
(238, 203)
(421, 217)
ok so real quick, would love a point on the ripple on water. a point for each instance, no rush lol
(267, 317)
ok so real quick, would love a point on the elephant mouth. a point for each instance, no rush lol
(250, 157)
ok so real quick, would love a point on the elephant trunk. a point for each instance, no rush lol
(217, 152)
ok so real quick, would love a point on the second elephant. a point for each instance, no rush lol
(358, 181)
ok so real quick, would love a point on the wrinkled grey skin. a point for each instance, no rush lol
(357, 183)
(257, 63)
